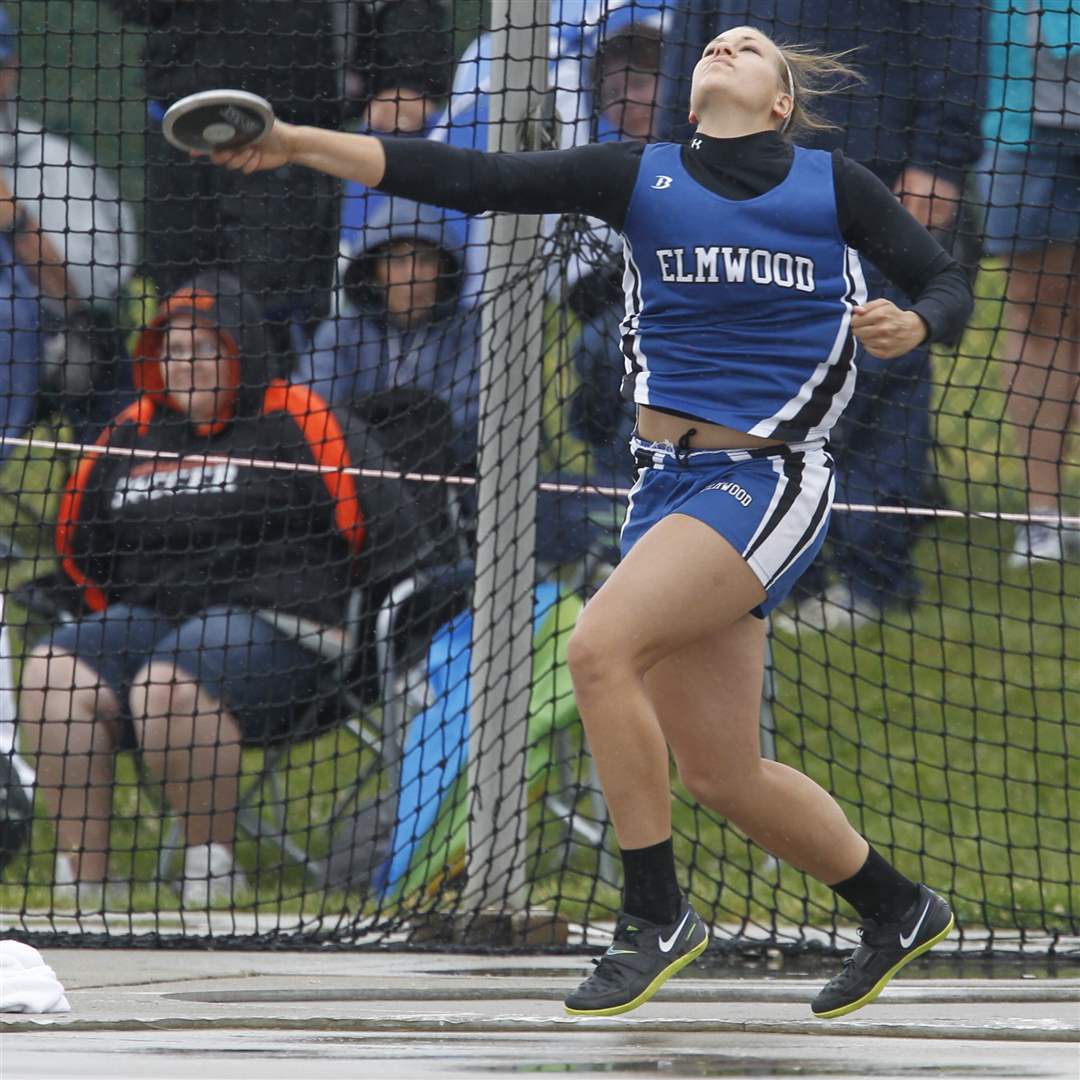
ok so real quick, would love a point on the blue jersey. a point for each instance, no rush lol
(739, 311)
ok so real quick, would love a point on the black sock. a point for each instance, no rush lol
(650, 887)
(878, 891)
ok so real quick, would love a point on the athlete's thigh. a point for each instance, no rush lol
(707, 697)
(680, 582)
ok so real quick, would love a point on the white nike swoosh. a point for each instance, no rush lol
(621, 952)
(905, 942)
(666, 945)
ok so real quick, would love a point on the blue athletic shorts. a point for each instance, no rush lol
(1030, 196)
(236, 656)
(771, 504)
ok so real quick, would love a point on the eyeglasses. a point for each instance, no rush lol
(202, 351)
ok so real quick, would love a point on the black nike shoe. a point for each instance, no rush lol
(886, 947)
(641, 959)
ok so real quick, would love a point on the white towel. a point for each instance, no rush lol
(27, 983)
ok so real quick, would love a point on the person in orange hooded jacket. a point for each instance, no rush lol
(216, 589)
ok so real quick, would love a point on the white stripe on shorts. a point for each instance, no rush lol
(805, 481)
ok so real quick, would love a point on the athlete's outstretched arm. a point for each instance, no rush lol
(597, 180)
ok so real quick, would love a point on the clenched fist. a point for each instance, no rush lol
(886, 331)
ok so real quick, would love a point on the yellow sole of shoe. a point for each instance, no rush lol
(671, 969)
(884, 980)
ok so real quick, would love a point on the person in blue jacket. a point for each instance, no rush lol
(1029, 180)
(400, 323)
(913, 122)
(746, 309)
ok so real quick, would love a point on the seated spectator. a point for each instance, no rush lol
(216, 590)
(400, 326)
(619, 99)
(74, 240)
(400, 323)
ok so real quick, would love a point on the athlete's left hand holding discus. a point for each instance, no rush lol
(273, 151)
(338, 153)
(886, 331)
(745, 296)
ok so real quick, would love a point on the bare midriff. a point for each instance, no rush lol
(664, 427)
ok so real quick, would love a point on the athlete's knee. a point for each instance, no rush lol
(586, 657)
(726, 791)
(597, 655)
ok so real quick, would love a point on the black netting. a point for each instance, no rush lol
(305, 484)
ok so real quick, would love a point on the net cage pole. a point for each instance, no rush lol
(501, 668)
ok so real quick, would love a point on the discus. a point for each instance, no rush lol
(217, 120)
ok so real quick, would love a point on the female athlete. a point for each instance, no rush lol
(745, 307)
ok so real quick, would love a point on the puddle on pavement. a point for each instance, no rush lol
(727, 1065)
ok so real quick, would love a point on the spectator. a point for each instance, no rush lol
(74, 242)
(401, 323)
(1029, 180)
(408, 63)
(620, 95)
(401, 327)
(913, 123)
(279, 236)
(412, 65)
(618, 99)
(217, 590)
(624, 74)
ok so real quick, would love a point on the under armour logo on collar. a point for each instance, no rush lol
(695, 144)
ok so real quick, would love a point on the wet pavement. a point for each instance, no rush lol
(401, 1015)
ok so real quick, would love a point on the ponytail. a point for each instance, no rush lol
(809, 75)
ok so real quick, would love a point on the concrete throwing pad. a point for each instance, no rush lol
(138, 1013)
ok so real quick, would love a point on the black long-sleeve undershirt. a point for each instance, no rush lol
(598, 180)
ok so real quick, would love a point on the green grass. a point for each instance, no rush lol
(952, 741)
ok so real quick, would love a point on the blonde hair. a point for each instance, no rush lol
(809, 75)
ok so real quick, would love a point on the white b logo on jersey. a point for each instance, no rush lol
(662, 182)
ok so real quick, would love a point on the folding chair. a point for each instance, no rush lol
(411, 613)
